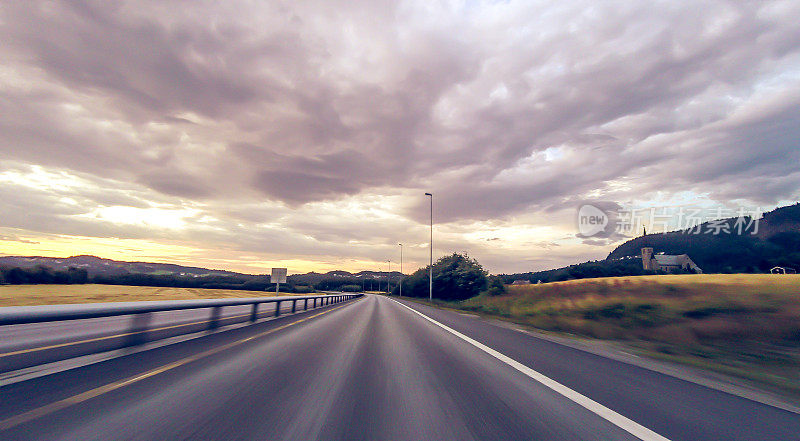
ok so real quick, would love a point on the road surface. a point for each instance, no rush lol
(374, 369)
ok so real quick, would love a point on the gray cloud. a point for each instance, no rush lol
(177, 183)
(12, 238)
(517, 109)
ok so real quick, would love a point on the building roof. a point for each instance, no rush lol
(670, 260)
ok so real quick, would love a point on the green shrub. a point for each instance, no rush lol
(496, 287)
(455, 277)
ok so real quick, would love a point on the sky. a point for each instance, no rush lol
(245, 135)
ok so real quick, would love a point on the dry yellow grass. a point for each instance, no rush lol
(24, 295)
(728, 283)
(622, 307)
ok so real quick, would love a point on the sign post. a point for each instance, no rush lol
(278, 276)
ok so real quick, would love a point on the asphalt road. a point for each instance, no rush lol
(376, 370)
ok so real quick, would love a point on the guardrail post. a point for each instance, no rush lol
(277, 308)
(215, 313)
(254, 312)
(294, 305)
(305, 304)
(138, 332)
(315, 302)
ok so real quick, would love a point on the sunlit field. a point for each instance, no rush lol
(23, 295)
(743, 324)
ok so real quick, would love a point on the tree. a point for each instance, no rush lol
(77, 275)
(17, 276)
(496, 286)
(455, 277)
(43, 274)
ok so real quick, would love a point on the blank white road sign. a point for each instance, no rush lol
(278, 275)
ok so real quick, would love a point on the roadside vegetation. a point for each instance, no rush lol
(742, 324)
(28, 295)
(455, 277)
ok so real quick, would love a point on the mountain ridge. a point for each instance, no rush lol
(99, 266)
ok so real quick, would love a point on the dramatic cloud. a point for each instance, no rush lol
(306, 132)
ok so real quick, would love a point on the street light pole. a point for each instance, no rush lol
(388, 277)
(401, 270)
(430, 275)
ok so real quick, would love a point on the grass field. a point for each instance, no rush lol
(23, 295)
(740, 324)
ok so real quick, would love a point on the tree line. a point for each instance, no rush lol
(42, 275)
(45, 275)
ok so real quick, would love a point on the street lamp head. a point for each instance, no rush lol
(428, 194)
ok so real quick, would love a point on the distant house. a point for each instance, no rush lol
(782, 270)
(667, 262)
(521, 282)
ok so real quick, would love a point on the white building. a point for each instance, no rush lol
(782, 270)
(667, 262)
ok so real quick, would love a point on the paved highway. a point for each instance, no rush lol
(375, 369)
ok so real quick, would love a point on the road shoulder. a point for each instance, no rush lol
(622, 353)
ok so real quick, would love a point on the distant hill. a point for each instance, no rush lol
(97, 266)
(39, 269)
(776, 242)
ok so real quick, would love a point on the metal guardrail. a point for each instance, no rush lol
(49, 313)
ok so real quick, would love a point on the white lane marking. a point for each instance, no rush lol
(609, 415)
